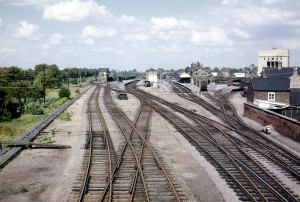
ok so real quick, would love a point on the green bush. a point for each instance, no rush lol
(35, 108)
(23, 189)
(64, 92)
(74, 81)
(5, 115)
(77, 91)
(65, 117)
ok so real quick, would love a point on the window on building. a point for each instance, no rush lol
(271, 96)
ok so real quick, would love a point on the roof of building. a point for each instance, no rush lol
(239, 74)
(184, 75)
(284, 72)
(270, 84)
(151, 70)
(295, 97)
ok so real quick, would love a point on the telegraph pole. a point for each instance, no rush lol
(69, 78)
(44, 85)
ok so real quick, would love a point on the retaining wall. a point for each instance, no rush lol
(284, 125)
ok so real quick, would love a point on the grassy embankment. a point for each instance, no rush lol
(12, 130)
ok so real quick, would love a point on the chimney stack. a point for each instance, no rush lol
(295, 79)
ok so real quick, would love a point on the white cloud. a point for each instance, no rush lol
(227, 2)
(127, 19)
(241, 33)
(258, 16)
(172, 49)
(270, 2)
(169, 23)
(56, 39)
(136, 37)
(36, 3)
(8, 50)
(212, 37)
(74, 11)
(46, 46)
(98, 32)
(26, 30)
(87, 41)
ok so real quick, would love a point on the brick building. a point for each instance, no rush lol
(269, 92)
(281, 94)
(199, 75)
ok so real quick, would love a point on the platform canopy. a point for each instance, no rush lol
(184, 75)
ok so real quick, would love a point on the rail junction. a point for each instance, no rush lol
(254, 167)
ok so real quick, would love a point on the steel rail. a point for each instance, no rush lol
(289, 155)
(240, 162)
(108, 145)
(272, 156)
(128, 142)
(234, 159)
(186, 134)
(87, 171)
(156, 159)
(262, 180)
(262, 145)
(142, 151)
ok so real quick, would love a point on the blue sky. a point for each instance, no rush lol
(146, 34)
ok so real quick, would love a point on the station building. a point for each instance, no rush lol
(199, 76)
(151, 77)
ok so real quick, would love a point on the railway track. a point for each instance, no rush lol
(282, 156)
(99, 157)
(242, 172)
(140, 174)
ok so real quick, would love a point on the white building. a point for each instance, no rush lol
(151, 76)
(277, 58)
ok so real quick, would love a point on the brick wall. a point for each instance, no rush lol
(283, 97)
(286, 126)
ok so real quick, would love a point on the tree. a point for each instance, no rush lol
(48, 75)
(16, 89)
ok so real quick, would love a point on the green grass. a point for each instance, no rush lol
(45, 139)
(52, 93)
(11, 130)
